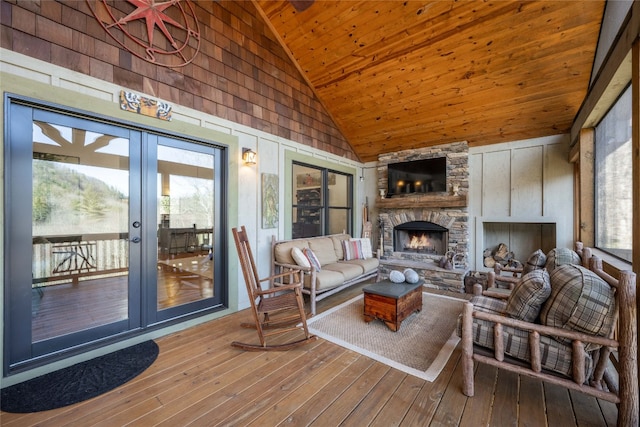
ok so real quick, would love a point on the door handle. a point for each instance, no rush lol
(136, 240)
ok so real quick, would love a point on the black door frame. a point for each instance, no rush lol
(19, 352)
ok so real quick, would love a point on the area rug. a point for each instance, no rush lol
(421, 346)
(79, 382)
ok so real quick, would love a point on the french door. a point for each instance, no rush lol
(109, 230)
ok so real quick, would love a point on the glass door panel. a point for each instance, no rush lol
(308, 204)
(109, 230)
(339, 190)
(185, 251)
(80, 216)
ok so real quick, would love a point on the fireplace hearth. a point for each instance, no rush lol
(421, 237)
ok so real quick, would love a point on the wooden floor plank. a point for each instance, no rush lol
(477, 411)
(428, 399)
(558, 404)
(228, 399)
(251, 405)
(609, 412)
(170, 402)
(586, 410)
(176, 377)
(199, 379)
(531, 402)
(453, 401)
(328, 394)
(398, 405)
(280, 411)
(238, 373)
(340, 408)
(154, 378)
(369, 407)
(182, 380)
(505, 412)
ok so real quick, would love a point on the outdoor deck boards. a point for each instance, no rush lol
(199, 379)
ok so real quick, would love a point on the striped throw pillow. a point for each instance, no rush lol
(365, 244)
(313, 259)
(352, 249)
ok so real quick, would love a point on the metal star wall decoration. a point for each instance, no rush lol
(166, 33)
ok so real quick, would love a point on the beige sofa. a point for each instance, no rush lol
(335, 273)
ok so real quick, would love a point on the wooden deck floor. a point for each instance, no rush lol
(200, 380)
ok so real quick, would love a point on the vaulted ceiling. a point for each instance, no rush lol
(396, 75)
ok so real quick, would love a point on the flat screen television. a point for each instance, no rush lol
(417, 176)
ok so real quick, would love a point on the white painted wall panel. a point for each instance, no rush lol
(526, 181)
(526, 196)
(558, 191)
(496, 183)
(475, 182)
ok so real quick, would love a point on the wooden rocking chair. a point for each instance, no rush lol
(280, 308)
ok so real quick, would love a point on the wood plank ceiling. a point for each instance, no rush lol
(404, 74)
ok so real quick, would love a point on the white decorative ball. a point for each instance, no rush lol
(396, 277)
(411, 276)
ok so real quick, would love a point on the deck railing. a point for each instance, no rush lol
(67, 259)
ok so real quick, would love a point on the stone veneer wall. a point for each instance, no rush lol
(456, 218)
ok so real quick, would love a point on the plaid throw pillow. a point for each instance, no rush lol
(313, 259)
(526, 299)
(536, 260)
(580, 301)
(352, 249)
(560, 256)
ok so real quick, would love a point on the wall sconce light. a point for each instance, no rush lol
(249, 156)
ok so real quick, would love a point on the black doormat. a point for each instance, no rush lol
(79, 382)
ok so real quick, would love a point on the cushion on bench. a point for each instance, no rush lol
(324, 250)
(349, 271)
(282, 251)
(337, 244)
(556, 356)
(367, 265)
(325, 279)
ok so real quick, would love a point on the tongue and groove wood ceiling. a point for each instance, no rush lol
(396, 75)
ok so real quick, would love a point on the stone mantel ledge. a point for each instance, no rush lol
(423, 201)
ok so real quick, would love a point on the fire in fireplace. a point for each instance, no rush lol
(420, 237)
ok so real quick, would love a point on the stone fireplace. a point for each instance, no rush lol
(416, 230)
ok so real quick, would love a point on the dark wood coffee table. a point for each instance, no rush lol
(392, 302)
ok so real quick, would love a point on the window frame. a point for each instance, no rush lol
(597, 184)
(325, 208)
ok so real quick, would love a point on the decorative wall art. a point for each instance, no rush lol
(135, 103)
(269, 200)
(165, 33)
